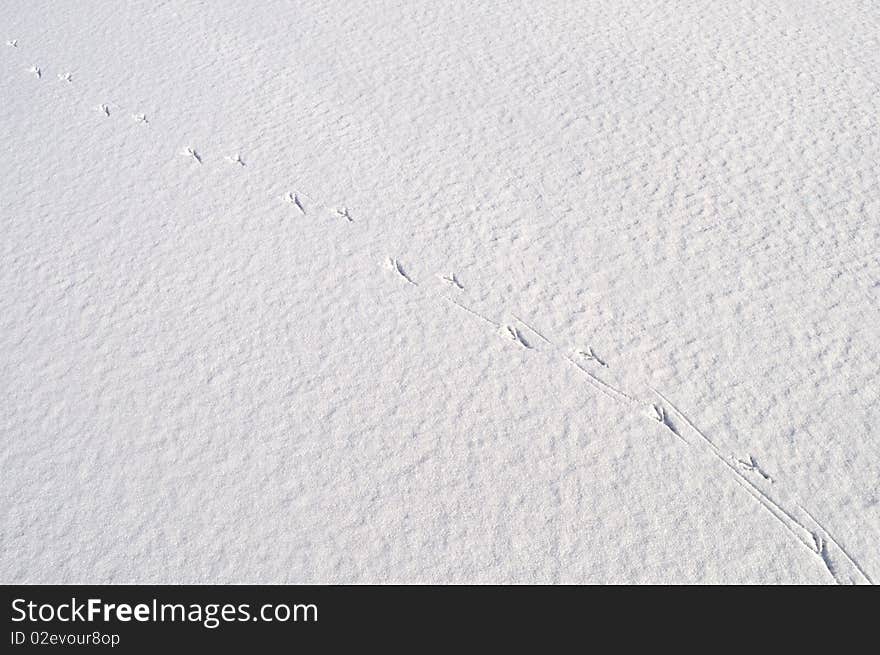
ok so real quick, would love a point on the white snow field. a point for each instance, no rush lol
(435, 291)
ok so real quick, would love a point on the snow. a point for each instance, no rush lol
(429, 291)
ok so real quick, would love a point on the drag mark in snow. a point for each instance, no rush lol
(783, 517)
(599, 385)
(809, 538)
(777, 509)
(472, 312)
(617, 393)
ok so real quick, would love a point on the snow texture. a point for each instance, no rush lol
(432, 291)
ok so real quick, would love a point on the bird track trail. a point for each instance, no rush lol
(840, 564)
(842, 567)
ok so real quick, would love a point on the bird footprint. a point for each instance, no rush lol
(192, 152)
(516, 335)
(293, 199)
(395, 265)
(659, 414)
(589, 355)
(453, 280)
(751, 465)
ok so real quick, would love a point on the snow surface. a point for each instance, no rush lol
(434, 291)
